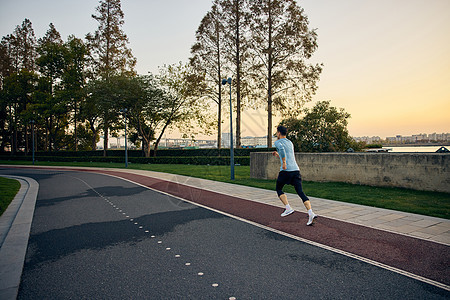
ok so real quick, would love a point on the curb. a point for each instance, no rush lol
(15, 225)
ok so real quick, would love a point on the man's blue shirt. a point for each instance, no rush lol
(285, 148)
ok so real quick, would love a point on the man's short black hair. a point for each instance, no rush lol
(283, 130)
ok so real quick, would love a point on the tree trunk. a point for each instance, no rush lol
(105, 140)
(219, 104)
(94, 134)
(159, 138)
(75, 119)
(269, 119)
(46, 134)
(14, 141)
(14, 131)
(146, 147)
(143, 147)
(238, 80)
(50, 134)
(27, 149)
(219, 122)
(269, 83)
(36, 139)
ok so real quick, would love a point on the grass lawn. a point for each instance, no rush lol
(8, 190)
(420, 202)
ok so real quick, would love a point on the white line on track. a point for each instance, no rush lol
(135, 223)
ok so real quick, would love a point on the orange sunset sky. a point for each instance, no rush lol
(386, 62)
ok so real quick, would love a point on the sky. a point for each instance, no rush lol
(386, 62)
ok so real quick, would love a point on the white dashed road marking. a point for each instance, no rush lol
(141, 227)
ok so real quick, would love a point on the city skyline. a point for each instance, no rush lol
(260, 140)
(385, 62)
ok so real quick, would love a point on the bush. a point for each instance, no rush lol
(184, 160)
(139, 153)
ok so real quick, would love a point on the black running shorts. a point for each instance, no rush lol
(293, 178)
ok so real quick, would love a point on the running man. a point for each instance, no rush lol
(289, 174)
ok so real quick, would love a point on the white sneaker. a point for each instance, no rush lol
(287, 212)
(311, 219)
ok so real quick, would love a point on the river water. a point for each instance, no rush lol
(415, 149)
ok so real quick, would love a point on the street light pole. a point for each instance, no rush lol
(126, 148)
(225, 81)
(32, 138)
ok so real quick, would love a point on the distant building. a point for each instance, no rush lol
(248, 141)
(368, 140)
(226, 140)
(419, 138)
(255, 141)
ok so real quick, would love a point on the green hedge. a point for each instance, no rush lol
(193, 160)
(139, 153)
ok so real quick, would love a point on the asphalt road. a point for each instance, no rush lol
(98, 237)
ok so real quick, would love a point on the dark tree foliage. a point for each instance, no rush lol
(323, 128)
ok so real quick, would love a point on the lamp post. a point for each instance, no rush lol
(225, 81)
(32, 138)
(126, 149)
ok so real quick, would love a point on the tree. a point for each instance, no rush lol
(90, 110)
(102, 105)
(85, 138)
(207, 60)
(108, 46)
(17, 62)
(5, 71)
(236, 17)
(74, 78)
(109, 43)
(181, 105)
(25, 43)
(6, 67)
(322, 129)
(281, 42)
(17, 92)
(51, 52)
(145, 104)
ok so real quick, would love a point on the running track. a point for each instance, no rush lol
(426, 259)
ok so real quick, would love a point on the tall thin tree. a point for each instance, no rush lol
(207, 59)
(23, 52)
(281, 44)
(74, 78)
(26, 45)
(51, 62)
(235, 20)
(110, 54)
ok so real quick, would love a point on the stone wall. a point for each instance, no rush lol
(420, 171)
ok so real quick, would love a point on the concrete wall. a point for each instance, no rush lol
(420, 171)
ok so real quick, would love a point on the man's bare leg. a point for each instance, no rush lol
(289, 209)
(283, 199)
(307, 204)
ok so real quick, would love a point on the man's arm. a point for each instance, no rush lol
(282, 154)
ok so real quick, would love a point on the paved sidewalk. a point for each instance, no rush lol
(15, 224)
(414, 225)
